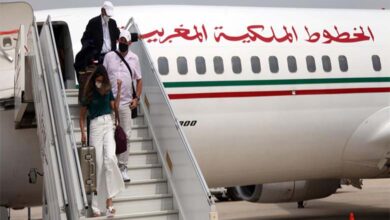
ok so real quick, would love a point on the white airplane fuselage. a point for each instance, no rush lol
(254, 131)
(251, 128)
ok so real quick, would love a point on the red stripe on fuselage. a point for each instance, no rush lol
(9, 32)
(278, 93)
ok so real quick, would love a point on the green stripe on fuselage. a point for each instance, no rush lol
(275, 82)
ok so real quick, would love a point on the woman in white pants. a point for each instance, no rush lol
(99, 102)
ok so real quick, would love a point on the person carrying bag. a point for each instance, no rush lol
(124, 65)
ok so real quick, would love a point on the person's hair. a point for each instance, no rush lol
(90, 84)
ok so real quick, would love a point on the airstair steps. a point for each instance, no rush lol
(149, 203)
(147, 187)
(142, 172)
(147, 196)
(159, 215)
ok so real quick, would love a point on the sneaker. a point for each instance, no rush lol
(110, 212)
(124, 174)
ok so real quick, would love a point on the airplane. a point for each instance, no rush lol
(269, 98)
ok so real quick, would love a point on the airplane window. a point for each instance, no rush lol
(236, 64)
(376, 62)
(343, 63)
(255, 62)
(273, 64)
(326, 64)
(163, 67)
(218, 65)
(311, 64)
(182, 67)
(7, 42)
(292, 64)
(200, 65)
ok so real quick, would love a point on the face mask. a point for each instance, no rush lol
(123, 47)
(106, 18)
(98, 85)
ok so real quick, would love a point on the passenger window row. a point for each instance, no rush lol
(200, 64)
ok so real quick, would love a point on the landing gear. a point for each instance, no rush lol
(233, 194)
(301, 205)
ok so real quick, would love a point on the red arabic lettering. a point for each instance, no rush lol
(261, 33)
(343, 37)
(151, 34)
(180, 32)
(313, 38)
(253, 34)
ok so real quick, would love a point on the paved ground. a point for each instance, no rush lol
(371, 203)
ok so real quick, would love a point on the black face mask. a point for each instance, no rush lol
(123, 47)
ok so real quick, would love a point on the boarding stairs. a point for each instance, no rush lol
(166, 181)
(147, 196)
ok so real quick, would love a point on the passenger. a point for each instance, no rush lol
(102, 32)
(98, 100)
(117, 69)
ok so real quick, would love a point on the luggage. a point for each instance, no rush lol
(87, 156)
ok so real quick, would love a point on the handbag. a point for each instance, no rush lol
(120, 140)
(134, 112)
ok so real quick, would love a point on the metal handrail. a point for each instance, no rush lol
(48, 100)
(179, 129)
(70, 131)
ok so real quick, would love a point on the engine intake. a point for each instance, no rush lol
(293, 191)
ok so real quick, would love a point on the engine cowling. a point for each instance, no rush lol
(293, 191)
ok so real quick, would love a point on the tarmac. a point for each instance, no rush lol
(371, 203)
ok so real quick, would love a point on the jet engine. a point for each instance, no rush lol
(293, 191)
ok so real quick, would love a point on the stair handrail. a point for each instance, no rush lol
(69, 149)
(207, 195)
(45, 97)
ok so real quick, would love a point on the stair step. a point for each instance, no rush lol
(146, 145)
(142, 157)
(145, 187)
(145, 172)
(72, 99)
(140, 131)
(77, 134)
(138, 123)
(72, 92)
(135, 204)
(157, 215)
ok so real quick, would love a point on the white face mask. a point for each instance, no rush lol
(98, 85)
(106, 18)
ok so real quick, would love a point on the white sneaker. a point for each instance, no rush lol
(124, 174)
